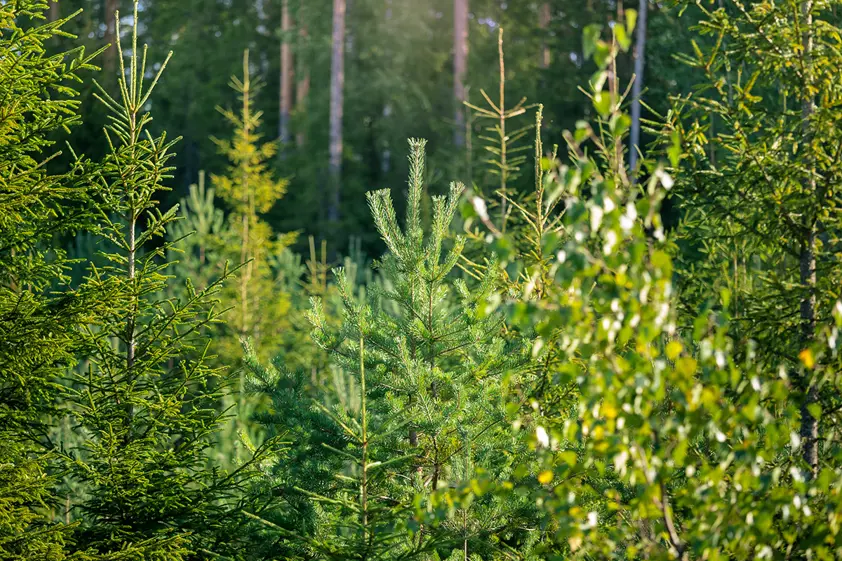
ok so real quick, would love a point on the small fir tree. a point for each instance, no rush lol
(259, 307)
(37, 311)
(249, 190)
(144, 404)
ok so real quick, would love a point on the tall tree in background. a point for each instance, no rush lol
(55, 11)
(285, 106)
(460, 67)
(110, 56)
(544, 19)
(337, 98)
(302, 73)
(637, 87)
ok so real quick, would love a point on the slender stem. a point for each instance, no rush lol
(465, 534)
(364, 423)
(637, 87)
(132, 317)
(503, 140)
(245, 250)
(809, 423)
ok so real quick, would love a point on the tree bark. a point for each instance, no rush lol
(337, 86)
(386, 153)
(286, 76)
(109, 57)
(637, 87)
(55, 12)
(809, 423)
(544, 18)
(460, 67)
(302, 88)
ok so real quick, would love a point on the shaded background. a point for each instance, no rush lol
(399, 76)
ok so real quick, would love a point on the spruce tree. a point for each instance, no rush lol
(37, 312)
(144, 404)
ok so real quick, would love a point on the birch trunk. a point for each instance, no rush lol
(809, 423)
(637, 87)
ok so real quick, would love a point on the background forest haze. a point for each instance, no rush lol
(407, 68)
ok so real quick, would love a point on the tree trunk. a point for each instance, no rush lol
(109, 60)
(386, 154)
(286, 76)
(544, 18)
(302, 88)
(809, 423)
(460, 66)
(337, 85)
(54, 13)
(639, 59)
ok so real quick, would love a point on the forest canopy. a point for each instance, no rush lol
(392, 280)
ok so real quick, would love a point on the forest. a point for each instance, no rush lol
(436, 280)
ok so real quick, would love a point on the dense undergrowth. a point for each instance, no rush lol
(540, 375)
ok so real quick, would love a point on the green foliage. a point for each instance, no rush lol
(37, 340)
(571, 380)
(427, 398)
(760, 146)
(665, 433)
(249, 190)
(143, 403)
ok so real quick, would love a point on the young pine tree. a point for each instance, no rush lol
(198, 237)
(429, 366)
(299, 386)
